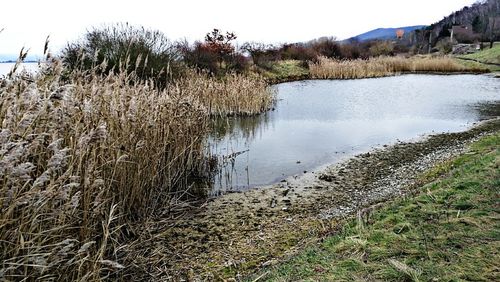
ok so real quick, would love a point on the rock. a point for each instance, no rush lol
(327, 178)
(273, 203)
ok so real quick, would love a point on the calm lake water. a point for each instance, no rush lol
(6, 67)
(321, 122)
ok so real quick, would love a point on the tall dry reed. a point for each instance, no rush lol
(383, 66)
(83, 155)
(234, 94)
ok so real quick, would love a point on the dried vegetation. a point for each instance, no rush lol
(385, 66)
(86, 158)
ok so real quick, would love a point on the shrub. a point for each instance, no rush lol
(121, 47)
(262, 55)
(350, 51)
(216, 54)
(381, 48)
(445, 46)
(200, 56)
(328, 48)
(298, 52)
(400, 48)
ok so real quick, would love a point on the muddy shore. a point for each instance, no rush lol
(234, 235)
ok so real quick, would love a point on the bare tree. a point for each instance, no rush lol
(493, 27)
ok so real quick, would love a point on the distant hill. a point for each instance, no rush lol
(384, 33)
(13, 58)
(5, 57)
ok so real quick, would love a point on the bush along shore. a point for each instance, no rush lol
(448, 231)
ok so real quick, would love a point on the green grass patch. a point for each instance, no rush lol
(450, 231)
(284, 70)
(487, 55)
(477, 65)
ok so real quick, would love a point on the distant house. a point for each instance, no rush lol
(461, 33)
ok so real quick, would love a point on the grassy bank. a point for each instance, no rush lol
(487, 59)
(478, 65)
(487, 55)
(85, 156)
(448, 231)
(386, 66)
(283, 71)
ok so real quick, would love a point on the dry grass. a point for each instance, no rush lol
(383, 66)
(83, 156)
(235, 94)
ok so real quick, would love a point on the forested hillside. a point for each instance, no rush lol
(483, 17)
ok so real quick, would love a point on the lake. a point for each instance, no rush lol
(6, 67)
(320, 122)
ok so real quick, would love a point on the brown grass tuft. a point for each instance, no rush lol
(383, 66)
(235, 94)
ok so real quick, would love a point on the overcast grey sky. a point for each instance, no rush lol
(28, 22)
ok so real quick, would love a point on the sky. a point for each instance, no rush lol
(27, 23)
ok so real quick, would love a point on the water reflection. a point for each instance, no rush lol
(321, 122)
(229, 141)
(487, 110)
(244, 128)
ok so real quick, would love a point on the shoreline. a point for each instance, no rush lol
(272, 82)
(427, 234)
(238, 233)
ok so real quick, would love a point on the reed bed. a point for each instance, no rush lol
(383, 66)
(235, 94)
(85, 158)
(438, 64)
